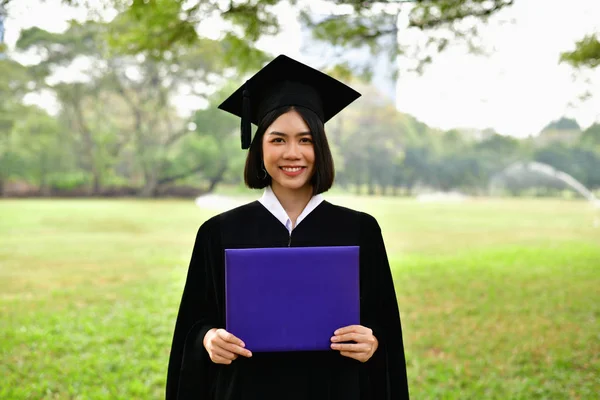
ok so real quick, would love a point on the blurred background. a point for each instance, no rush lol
(476, 144)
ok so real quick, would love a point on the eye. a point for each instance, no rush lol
(306, 140)
(277, 140)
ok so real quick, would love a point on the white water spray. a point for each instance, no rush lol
(549, 171)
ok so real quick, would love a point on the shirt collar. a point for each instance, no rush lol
(271, 203)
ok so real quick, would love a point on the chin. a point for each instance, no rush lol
(293, 185)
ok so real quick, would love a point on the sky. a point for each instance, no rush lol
(516, 90)
(521, 86)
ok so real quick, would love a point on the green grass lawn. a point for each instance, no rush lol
(500, 299)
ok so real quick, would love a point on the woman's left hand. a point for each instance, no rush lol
(365, 343)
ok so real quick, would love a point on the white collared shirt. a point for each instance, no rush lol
(271, 203)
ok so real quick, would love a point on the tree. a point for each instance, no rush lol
(14, 79)
(155, 27)
(584, 58)
(562, 158)
(591, 138)
(586, 53)
(125, 102)
(563, 124)
(212, 151)
(369, 23)
(371, 136)
(38, 145)
(2, 18)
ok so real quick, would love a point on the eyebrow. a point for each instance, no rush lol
(275, 133)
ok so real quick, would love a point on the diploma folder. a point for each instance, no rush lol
(291, 298)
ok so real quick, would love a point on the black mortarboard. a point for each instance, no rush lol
(287, 82)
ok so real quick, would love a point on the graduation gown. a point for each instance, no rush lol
(287, 375)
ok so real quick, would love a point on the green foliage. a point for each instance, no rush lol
(14, 81)
(37, 138)
(388, 152)
(69, 181)
(155, 27)
(211, 151)
(498, 299)
(119, 127)
(586, 53)
(581, 163)
(124, 127)
(339, 31)
(160, 28)
(591, 137)
(254, 17)
(374, 24)
(14, 78)
(563, 124)
(429, 14)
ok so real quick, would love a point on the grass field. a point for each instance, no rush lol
(500, 299)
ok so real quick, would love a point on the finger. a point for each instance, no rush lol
(225, 354)
(353, 328)
(230, 338)
(352, 347)
(357, 356)
(232, 348)
(347, 337)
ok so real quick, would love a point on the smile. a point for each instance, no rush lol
(292, 169)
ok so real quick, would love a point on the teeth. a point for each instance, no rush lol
(294, 169)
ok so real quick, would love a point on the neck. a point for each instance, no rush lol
(293, 201)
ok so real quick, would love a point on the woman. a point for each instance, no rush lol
(290, 158)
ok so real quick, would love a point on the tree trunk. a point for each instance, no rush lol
(215, 181)
(149, 189)
(89, 146)
(96, 180)
(44, 186)
(370, 188)
(150, 184)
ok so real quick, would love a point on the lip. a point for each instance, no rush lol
(295, 173)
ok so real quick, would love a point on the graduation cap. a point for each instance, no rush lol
(287, 82)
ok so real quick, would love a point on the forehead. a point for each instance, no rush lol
(290, 122)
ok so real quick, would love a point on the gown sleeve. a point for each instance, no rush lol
(387, 368)
(190, 368)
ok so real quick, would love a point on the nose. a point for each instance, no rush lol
(292, 151)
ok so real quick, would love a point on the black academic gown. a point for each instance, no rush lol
(293, 375)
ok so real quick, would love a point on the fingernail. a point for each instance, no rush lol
(336, 332)
(333, 338)
(243, 344)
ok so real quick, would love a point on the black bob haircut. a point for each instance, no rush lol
(324, 171)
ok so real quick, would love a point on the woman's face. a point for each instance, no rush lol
(288, 152)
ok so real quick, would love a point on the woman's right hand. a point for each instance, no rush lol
(223, 347)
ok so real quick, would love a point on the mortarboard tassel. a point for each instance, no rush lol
(246, 123)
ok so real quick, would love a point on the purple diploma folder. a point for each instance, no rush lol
(291, 298)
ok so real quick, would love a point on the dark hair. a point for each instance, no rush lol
(324, 171)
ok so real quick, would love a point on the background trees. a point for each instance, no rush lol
(120, 86)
